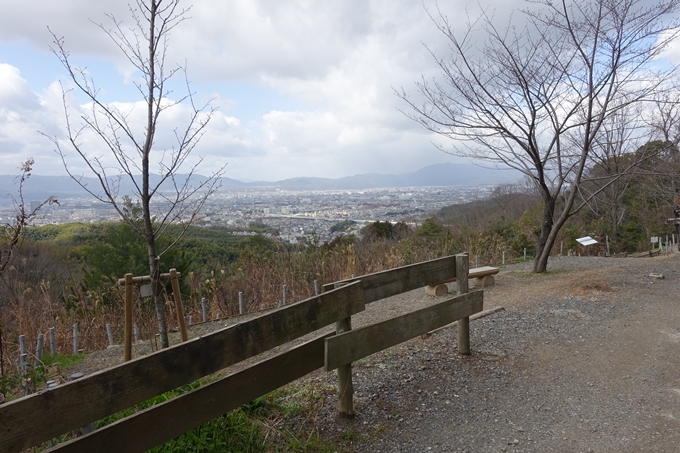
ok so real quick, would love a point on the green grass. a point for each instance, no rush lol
(276, 422)
(64, 361)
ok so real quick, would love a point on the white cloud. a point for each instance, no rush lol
(337, 60)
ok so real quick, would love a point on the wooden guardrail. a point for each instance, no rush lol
(108, 391)
(396, 281)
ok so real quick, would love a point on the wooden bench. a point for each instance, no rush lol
(481, 277)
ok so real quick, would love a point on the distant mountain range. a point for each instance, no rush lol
(446, 174)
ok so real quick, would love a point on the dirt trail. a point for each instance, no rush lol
(585, 359)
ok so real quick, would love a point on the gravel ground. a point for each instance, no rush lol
(583, 359)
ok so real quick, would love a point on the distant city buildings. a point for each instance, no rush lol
(297, 215)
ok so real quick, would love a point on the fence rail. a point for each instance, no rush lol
(402, 279)
(106, 392)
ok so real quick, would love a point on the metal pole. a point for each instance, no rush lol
(476, 260)
(240, 302)
(109, 333)
(136, 332)
(53, 343)
(39, 349)
(316, 288)
(204, 306)
(503, 257)
(22, 344)
(191, 319)
(75, 338)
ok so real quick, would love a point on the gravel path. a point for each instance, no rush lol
(583, 359)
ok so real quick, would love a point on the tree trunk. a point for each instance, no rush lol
(157, 287)
(545, 243)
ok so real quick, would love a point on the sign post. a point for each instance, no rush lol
(586, 241)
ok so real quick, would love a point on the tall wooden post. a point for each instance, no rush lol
(128, 317)
(462, 268)
(178, 305)
(345, 386)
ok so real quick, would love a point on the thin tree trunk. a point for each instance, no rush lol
(159, 300)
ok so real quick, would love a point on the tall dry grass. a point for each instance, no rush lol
(39, 293)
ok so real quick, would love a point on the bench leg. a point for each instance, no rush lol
(436, 290)
(481, 282)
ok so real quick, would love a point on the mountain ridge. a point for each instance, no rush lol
(39, 187)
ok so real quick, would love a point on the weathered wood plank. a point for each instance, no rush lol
(396, 281)
(165, 421)
(359, 343)
(80, 402)
(462, 266)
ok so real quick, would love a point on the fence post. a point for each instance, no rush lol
(503, 260)
(345, 385)
(561, 247)
(39, 349)
(178, 305)
(136, 332)
(285, 294)
(75, 339)
(128, 318)
(476, 260)
(525, 253)
(316, 288)
(240, 303)
(53, 342)
(204, 307)
(462, 268)
(109, 334)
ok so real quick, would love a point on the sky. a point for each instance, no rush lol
(302, 88)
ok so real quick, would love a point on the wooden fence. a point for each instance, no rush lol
(77, 403)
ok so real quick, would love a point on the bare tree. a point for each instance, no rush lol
(615, 165)
(535, 98)
(11, 233)
(177, 198)
(664, 170)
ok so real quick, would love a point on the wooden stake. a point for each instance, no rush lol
(462, 268)
(128, 318)
(345, 386)
(178, 305)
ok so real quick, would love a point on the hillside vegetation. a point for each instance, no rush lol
(66, 274)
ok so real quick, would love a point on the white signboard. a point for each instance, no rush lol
(587, 240)
(655, 239)
(146, 290)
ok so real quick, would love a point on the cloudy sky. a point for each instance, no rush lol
(304, 88)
